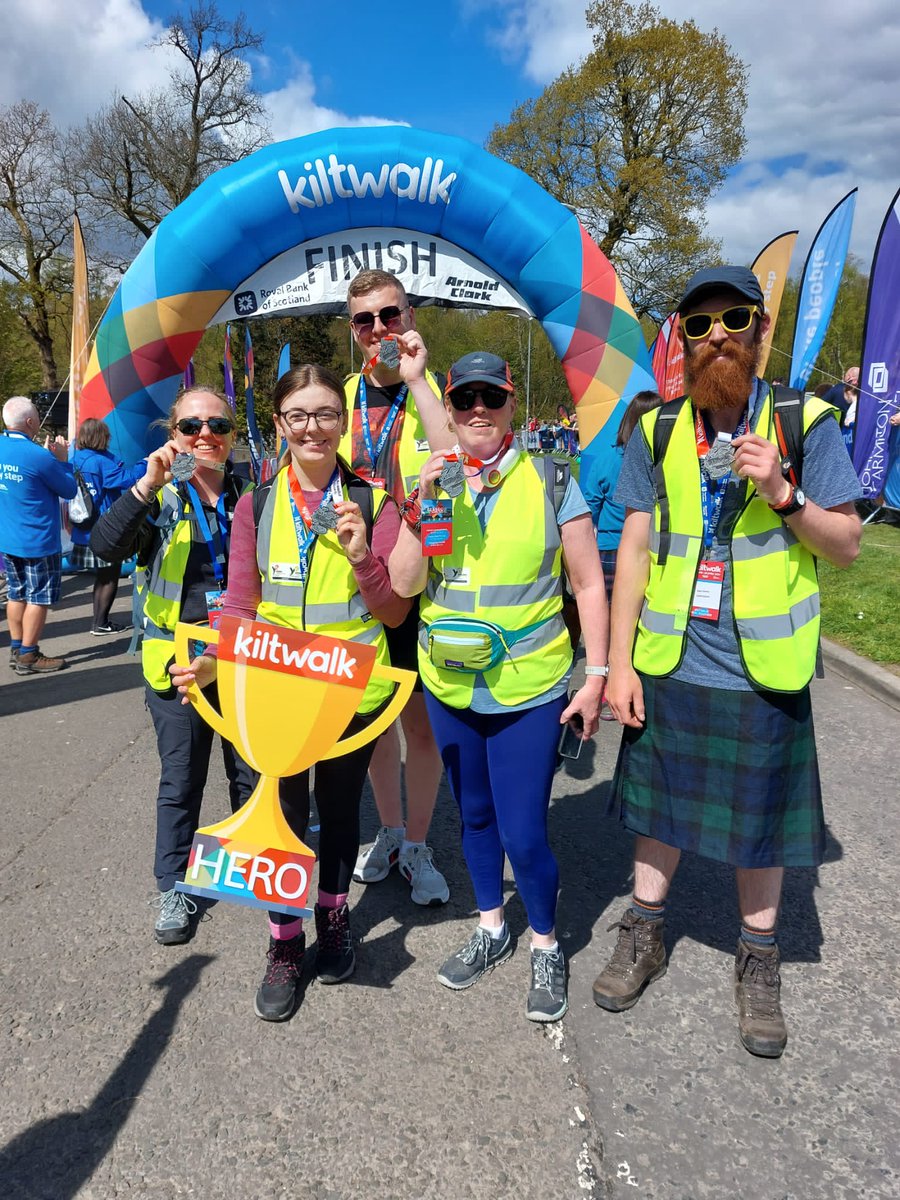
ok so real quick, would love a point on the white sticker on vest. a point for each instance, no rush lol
(456, 575)
(285, 570)
(422, 444)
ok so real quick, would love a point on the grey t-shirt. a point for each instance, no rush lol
(711, 656)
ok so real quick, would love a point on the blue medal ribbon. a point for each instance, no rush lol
(373, 449)
(216, 540)
(303, 530)
(712, 505)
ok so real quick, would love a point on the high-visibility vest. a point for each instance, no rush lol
(164, 584)
(511, 575)
(775, 592)
(329, 601)
(414, 448)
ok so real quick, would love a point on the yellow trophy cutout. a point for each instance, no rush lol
(285, 698)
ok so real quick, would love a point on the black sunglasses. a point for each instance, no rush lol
(464, 398)
(389, 316)
(191, 426)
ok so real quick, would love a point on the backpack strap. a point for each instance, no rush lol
(787, 418)
(359, 489)
(556, 480)
(662, 435)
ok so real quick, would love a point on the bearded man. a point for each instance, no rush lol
(714, 640)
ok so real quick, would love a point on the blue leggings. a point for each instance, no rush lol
(500, 767)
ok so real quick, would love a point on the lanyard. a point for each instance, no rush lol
(301, 515)
(373, 449)
(215, 541)
(712, 505)
(469, 460)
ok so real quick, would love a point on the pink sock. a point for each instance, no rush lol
(332, 899)
(283, 933)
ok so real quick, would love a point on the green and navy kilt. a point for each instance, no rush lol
(730, 775)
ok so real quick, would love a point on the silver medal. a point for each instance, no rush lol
(718, 459)
(389, 354)
(452, 478)
(324, 518)
(183, 467)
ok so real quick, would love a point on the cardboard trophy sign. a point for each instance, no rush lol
(286, 698)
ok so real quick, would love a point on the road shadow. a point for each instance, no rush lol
(24, 693)
(54, 1158)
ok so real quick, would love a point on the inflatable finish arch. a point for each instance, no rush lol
(386, 178)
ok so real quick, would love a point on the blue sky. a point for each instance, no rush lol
(823, 113)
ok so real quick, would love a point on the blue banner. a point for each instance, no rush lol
(284, 360)
(254, 440)
(819, 287)
(875, 443)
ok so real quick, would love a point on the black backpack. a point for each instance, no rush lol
(787, 418)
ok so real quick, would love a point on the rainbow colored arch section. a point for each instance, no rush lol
(389, 177)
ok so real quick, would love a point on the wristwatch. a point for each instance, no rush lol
(794, 503)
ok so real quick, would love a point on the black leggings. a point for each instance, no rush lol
(106, 584)
(339, 785)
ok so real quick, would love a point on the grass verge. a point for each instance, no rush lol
(860, 607)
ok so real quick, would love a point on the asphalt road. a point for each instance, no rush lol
(131, 1069)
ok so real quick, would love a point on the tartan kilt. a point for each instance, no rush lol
(729, 775)
(82, 558)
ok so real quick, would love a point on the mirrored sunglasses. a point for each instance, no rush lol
(191, 426)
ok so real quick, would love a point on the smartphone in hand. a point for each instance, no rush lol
(570, 741)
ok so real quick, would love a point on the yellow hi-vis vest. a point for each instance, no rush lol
(511, 575)
(775, 592)
(164, 584)
(329, 601)
(414, 448)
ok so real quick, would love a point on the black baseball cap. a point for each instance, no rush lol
(479, 367)
(718, 279)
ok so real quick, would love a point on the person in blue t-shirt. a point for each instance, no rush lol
(106, 479)
(33, 480)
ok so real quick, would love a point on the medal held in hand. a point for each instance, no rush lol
(389, 353)
(452, 478)
(718, 459)
(183, 467)
(324, 518)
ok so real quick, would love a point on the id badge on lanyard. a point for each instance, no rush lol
(374, 449)
(216, 542)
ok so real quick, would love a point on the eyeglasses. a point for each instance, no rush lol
(389, 316)
(732, 320)
(326, 419)
(191, 426)
(464, 398)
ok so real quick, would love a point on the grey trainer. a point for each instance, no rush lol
(480, 954)
(375, 863)
(173, 925)
(548, 999)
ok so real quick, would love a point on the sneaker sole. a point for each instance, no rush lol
(362, 877)
(272, 1017)
(461, 987)
(546, 1018)
(39, 670)
(328, 980)
(172, 937)
(615, 1004)
(431, 902)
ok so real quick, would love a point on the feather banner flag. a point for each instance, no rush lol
(257, 447)
(228, 370)
(819, 287)
(668, 359)
(190, 378)
(771, 269)
(81, 330)
(875, 441)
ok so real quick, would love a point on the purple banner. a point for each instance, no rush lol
(879, 377)
(819, 288)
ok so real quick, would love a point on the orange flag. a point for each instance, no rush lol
(81, 329)
(771, 269)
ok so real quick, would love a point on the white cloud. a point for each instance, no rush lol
(293, 110)
(822, 89)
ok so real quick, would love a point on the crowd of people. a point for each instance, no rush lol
(688, 550)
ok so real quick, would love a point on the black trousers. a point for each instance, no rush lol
(185, 742)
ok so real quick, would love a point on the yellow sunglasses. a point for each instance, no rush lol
(732, 320)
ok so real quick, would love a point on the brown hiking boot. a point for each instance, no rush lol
(36, 663)
(757, 993)
(638, 959)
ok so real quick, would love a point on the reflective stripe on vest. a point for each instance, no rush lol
(412, 431)
(165, 581)
(774, 586)
(329, 602)
(510, 574)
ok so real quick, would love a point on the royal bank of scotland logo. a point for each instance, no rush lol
(879, 378)
(245, 303)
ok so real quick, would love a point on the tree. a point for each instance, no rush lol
(35, 223)
(635, 140)
(141, 156)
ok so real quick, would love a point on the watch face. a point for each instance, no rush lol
(799, 498)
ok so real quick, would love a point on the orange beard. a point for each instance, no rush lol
(726, 384)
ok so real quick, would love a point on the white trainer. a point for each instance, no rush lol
(374, 864)
(427, 883)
